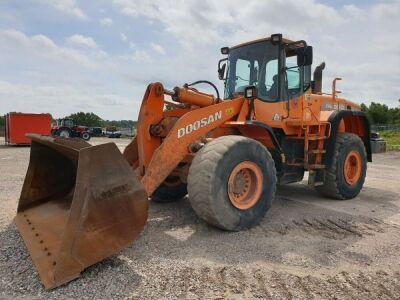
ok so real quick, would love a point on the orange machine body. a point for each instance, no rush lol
(299, 131)
(167, 140)
(19, 124)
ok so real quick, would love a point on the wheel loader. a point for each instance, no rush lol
(228, 153)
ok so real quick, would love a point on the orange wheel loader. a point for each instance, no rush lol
(227, 153)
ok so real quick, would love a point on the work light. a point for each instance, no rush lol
(250, 92)
(225, 50)
(276, 38)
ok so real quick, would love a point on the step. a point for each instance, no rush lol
(297, 164)
(316, 151)
(310, 137)
(307, 166)
(315, 166)
(316, 137)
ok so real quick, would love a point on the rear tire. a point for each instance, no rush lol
(232, 182)
(345, 177)
(64, 133)
(172, 189)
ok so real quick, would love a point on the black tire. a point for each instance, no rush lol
(334, 183)
(208, 182)
(171, 190)
(85, 135)
(64, 133)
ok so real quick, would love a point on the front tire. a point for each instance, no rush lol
(232, 182)
(85, 136)
(345, 177)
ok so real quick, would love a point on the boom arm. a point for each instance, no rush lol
(157, 158)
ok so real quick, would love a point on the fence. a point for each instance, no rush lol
(2, 130)
(385, 127)
(127, 131)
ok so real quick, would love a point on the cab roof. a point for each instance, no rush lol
(284, 41)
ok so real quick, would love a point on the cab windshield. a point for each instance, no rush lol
(65, 122)
(254, 64)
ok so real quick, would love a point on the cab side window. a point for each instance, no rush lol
(246, 74)
(242, 75)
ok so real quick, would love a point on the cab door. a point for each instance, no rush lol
(296, 81)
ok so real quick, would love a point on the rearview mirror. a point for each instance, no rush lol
(304, 56)
(221, 72)
(221, 69)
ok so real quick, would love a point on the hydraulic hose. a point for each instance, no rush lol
(207, 82)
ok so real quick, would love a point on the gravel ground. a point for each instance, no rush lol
(306, 247)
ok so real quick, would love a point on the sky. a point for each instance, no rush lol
(64, 56)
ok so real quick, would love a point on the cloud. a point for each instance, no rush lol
(42, 46)
(123, 36)
(158, 48)
(141, 56)
(83, 41)
(68, 7)
(356, 41)
(51, 98)
(46, 69)
(106, 22)
(209, 21)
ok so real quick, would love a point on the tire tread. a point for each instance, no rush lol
(202, 174)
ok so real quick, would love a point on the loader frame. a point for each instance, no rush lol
(168, 139)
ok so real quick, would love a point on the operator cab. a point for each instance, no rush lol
(65, 123)
(278, 69)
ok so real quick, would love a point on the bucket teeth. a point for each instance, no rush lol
(79, 204)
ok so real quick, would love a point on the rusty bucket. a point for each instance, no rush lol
(79, 204)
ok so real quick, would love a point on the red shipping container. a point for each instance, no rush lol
(19, 124)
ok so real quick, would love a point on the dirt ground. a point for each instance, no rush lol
(306, 247)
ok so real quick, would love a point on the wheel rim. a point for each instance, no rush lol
(352, 167)
(245, 185)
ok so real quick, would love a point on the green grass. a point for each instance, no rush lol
(392, 139)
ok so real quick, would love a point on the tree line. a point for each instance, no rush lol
(381, 114)
(93, 120)
(90, 120)
(378, 114)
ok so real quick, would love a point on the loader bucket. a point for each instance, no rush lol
(79, 204)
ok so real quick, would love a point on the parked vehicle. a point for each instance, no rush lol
(96, 131)
(66, 128)
(112, 132)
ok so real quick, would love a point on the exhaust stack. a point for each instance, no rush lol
(317, 86)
